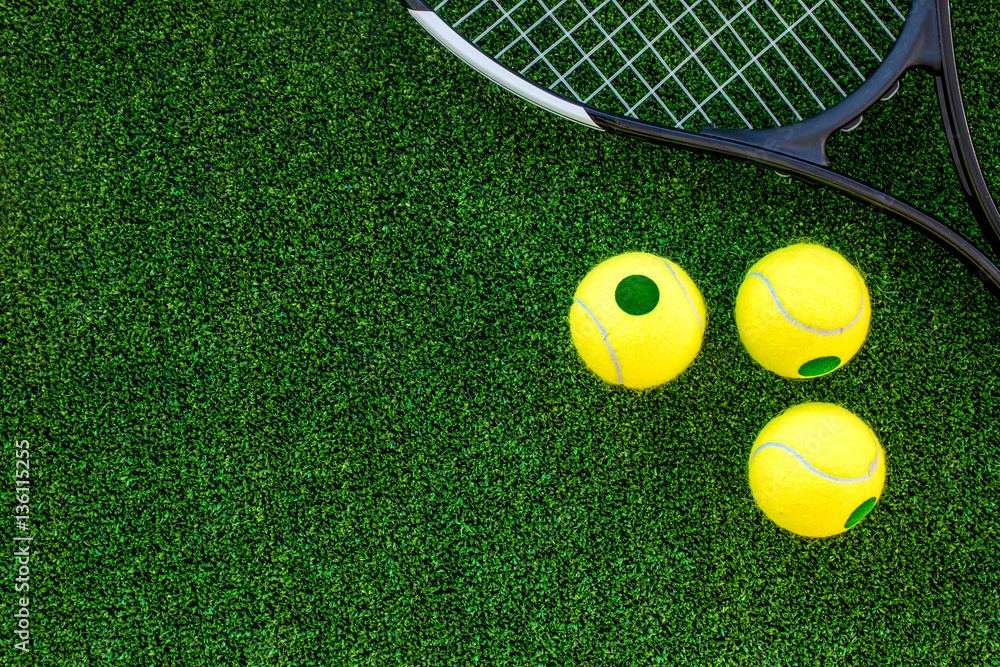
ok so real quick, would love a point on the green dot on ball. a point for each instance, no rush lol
(819, 366)
(637, 295)
(859, 514)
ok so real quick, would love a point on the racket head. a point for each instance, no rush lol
(678, 64)
(630, 67)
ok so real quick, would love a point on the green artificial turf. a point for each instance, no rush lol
(284, 296)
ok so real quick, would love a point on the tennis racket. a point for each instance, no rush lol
(761, 81)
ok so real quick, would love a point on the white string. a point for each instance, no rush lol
(829, 37)
(728, 24)
(652, 90)
(611, 65)
(857, 33)
(699, 108)
(755, 60)
(608, 39)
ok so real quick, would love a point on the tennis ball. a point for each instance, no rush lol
(816, 469)
(803, 311)
(637, 320)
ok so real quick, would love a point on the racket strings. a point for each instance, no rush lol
(731, 63)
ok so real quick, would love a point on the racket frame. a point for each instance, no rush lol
(925, 42)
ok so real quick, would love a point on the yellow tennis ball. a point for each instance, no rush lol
(803, 311)
(816, 469)
(637, 320)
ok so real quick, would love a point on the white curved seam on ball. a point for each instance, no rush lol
(686, 295)
(801, 325)
(813, 469)
(604, 337)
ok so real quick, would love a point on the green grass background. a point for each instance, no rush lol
(284, 296)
